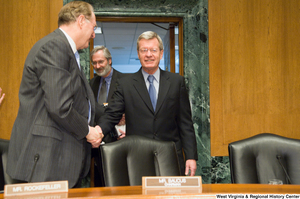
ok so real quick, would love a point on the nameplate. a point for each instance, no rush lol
(172, 182)
(177, 191)
(35, 188)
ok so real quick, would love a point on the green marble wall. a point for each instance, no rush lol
(196, 67)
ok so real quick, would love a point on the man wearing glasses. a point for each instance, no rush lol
(103, 86)
(53, 133)
(155, 103)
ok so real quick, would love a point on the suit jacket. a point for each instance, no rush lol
(171, 121)
(95, 83)
(52, 120)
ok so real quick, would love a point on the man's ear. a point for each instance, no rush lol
(161, 54)
(81, 20)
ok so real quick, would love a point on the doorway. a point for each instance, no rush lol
(119, 35)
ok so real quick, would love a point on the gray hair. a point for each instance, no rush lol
(71, 11)
(106, 52)
(149, 35)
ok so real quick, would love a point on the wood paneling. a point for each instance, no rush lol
(22, 24)
(254, 70)
(55, 6)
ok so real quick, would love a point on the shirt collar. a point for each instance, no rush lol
(156, 75)
(70, 40)
(108, 78)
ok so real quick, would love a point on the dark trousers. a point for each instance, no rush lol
(98, 170)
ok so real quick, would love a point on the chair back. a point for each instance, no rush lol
(127, 160)
(263, 157)
(4, 178)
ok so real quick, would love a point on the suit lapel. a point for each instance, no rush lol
(88, 89)
(140, 86)
(96, 85)
(75, 65)
(112, 87)
(90, 95)
(164, 85)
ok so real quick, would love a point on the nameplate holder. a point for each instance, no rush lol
(35, 188)
(171, 182)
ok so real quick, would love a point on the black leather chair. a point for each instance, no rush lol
(4, 178)
(263, 157)
(127, 160)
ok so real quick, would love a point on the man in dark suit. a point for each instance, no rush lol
(52, 135)
(101, 60)
(163, 113)
(103, 86)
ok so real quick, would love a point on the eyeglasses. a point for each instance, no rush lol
(94, 63)
(152, 50)
(95, 27)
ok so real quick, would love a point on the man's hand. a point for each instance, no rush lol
(95, 136)
(190, 167)
(122, 121)
(123, 134)
(3, 95)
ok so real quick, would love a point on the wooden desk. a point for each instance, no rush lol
(134, 192)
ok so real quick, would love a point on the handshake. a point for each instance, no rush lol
(95, 136)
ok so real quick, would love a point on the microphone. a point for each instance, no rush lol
(286, 174)
(36, 158)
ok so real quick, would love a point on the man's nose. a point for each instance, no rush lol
(148, 53)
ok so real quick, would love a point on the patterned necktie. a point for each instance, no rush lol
(152, 91)
(77, 59)
(103, 93)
